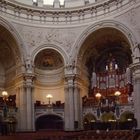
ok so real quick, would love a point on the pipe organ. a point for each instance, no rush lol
(112, 79)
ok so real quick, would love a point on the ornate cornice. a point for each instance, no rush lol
(20, 12)
(28, 79)
(135, 66)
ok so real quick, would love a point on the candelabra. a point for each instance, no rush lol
(49, 97)
(5, 98)
(107, 104)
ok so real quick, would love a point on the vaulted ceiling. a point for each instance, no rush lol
(8, 48)
(100, 44)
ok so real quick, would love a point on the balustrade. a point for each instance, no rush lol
(72, 15)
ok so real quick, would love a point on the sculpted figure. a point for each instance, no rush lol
(137, 53)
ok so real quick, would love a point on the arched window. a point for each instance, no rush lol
(50, 2)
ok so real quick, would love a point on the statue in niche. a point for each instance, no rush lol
(28, 65)
(137, 53)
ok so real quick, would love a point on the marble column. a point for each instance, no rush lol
(73, 100)
(69, 105)
(21, 105)
(77, 107)
(29, 107)
(136, 82)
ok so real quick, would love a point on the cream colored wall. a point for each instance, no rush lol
(57, 93)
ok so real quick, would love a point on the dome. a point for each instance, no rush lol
(64, 12)
(57, 3)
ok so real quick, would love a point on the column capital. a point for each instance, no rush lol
(28, 79)
(29, 76)
(135, 66)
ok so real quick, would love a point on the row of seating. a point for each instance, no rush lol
(82, 135)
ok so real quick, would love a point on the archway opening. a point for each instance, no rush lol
(106, 53)
(127, 120)
(105, 58)
(89, 121)
(49, 71)
(49, 122)
(10, 59)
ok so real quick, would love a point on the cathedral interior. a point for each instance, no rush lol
(70, 70)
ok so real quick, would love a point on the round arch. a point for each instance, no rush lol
(126, 116)
(88, 121)
(20, 44)
(90, 117)
(49, 121)
(127, 120)
(103, 24)
(53, 47)
(108, 116)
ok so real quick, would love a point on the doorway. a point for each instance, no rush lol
(49, 122)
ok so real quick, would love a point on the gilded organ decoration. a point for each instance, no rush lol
(111, 80)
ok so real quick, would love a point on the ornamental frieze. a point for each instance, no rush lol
(34, 37)
(64, 16)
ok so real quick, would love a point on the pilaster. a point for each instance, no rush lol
(29, 107)
(73, 101)
(77, 107)
(69, 104)
(136, 82)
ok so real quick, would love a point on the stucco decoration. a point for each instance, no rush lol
(131, 19)
(35, 37)
(137, 53)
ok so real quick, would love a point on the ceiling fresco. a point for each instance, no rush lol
(100, 44)
(48, 59)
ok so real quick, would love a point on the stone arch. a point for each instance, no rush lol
(48, 59)
(90, 117)
(49, 121)
(49, 79)
(53, 47)
(88, 50)
(126, 115)
(88, 121)
(103, 24)
(20, 44)
(108, 116)
(12, 56)
(49, 114)
(127, 120)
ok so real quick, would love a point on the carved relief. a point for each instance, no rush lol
(137, 53)
(61, 37)
(132, 17)
(35, 37)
